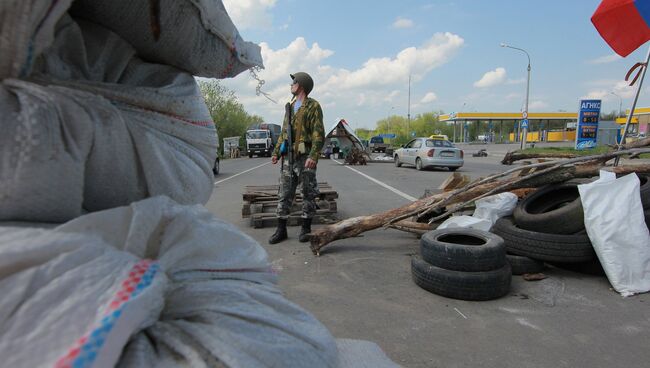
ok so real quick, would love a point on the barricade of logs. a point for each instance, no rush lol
(518, 180)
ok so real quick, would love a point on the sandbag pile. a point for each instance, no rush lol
(98, 112)
(95, 116)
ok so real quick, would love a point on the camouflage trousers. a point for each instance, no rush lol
(301, 176)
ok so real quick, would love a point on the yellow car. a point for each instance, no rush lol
(441, 137)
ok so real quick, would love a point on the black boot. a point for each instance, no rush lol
(305, 230)
(280, 232)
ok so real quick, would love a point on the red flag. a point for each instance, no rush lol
(622, 25)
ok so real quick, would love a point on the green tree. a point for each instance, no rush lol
(227, 112)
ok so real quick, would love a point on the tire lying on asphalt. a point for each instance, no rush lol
(522, 265)
(460, 249)
(473, 286)
(571, 248)
(555, 209)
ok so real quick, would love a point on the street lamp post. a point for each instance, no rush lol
(620, 104)
(390, 113)
(525, 129)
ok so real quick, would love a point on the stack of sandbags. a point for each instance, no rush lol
(94, 115)
(88, 124)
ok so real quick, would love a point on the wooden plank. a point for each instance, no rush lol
(454, 181)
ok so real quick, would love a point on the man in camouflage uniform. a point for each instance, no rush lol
(307, 135)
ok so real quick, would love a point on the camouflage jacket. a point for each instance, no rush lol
(307, 124)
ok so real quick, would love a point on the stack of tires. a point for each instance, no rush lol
(464, 264)
(548, 226)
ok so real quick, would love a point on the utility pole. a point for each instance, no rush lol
(408, 113)
(525, 113)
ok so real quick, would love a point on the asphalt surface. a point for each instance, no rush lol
(361, 288)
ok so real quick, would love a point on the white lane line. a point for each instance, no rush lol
(243, 172)
(400, 193)
(459, 312)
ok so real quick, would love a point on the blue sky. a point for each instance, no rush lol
(361, 54)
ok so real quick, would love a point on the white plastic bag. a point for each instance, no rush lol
(488, 211)
(495, 206)
(466, 222)
(616, 227)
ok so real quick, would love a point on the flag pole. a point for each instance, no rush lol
(636, 98)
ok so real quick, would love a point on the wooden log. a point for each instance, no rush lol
(513, 156)
(454, 181)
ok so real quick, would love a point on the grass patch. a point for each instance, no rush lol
(570, 150)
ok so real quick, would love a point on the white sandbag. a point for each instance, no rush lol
(210, 295)
(616, 227)
(26, 29)
(197, 36)
(96, 128)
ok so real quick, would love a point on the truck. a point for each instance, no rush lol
(377, 144)
(261, 139)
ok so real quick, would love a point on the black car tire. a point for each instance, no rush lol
(453, 168)
(522, 265)
(571, 248)
(555, 209)
(460, 249)
(461, 285)
(215, 167)
(418, 163)
(397, 163)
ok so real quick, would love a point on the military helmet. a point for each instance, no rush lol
(304, 80)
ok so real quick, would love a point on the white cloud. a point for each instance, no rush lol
(377, 83)
(620, 88)
(605, 59)
(537, 105)
(402, 23)
(491, 78)
(513, 96)
(428, 98)
(247, 14)
(391, 70)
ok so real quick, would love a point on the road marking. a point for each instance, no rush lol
(396, 191)
(243, 172)
(459, 312)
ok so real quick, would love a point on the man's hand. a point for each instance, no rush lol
(274, 160)
(310, 164)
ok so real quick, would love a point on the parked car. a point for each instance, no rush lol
(427, 152)
(377, 144)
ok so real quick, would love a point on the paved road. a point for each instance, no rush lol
(361, 288)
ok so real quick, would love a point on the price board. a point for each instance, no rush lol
(587, 129)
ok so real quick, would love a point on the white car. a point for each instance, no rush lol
(427, 152)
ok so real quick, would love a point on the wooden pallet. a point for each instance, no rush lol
(270, 206)
(260, 220)
(261, 202)
(255, 193)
